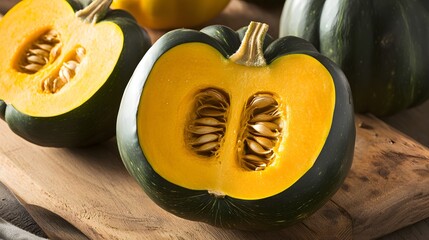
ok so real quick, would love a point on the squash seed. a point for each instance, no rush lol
(262, 130)
(71, 65)
(255, 166)
(262, 101)
(37, 59)
(270, 125)
(264, 142)
(44, 46)
(263, 117)
(208, 121)
(213, 96)
(65, 73)
(200, 130)
(254, 158)
(51, 37)
(208, 147)
(55, 52)
(37, 52)
(32, 67)
(207, 110)
(206, 138)
(57, 84)
(47, 85)
(80, 54)
(257, 148)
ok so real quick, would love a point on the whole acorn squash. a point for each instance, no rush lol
(64, 68)
(170, 14)
(237, 132)
(380, 45)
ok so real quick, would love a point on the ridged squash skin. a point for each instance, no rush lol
(94, 120)
(380, 45)
(292, 205)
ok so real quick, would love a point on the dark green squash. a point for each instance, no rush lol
(188, 75)
(380, 45)
(64, 68)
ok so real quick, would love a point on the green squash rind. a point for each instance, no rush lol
(380, 46)
(3, 106)
(288, 207)
(95, 120)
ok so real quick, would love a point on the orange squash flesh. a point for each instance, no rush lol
(299, 82)
(32, 18)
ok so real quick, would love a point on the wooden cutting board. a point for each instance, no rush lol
(90, 189)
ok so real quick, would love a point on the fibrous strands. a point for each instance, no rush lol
(262, 131)
(67, 71)
(206, 126)
(41, 52)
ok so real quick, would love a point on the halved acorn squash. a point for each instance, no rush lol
(64, 68)
(237, 132)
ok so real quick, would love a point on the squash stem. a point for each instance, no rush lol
(95, 11)
(251, 52)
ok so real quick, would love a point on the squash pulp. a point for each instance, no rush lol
(298, 81)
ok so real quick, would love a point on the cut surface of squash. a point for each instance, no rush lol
(297, 89)
(31, 88)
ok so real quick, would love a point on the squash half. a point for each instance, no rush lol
(63, 69)
(226, 133)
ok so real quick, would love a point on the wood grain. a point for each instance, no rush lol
(91, 190)
(412, 122)
(390, 186)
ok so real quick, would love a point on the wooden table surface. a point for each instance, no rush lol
(412, 122)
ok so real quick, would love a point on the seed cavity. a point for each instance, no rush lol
(44, 50)
(66, 72)
(262, 127)
(262, 131)
(206, 126)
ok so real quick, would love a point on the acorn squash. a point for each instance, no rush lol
(380, 46)
(237, 132)
(64, 68)
(170, 14)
